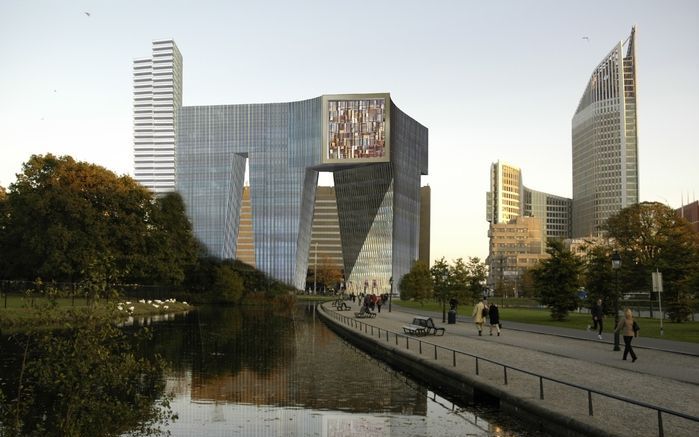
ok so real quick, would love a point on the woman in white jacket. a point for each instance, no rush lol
(480, 312)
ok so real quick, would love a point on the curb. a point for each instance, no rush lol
(466, 386)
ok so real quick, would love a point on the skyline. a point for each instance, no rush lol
(490, 82)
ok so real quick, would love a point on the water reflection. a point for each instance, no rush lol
(253, 371)
(81, 381)
(232, 371)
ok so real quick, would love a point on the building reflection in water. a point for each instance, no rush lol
(254, 371)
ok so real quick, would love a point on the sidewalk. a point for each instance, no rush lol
(665, 379)
(641, 342)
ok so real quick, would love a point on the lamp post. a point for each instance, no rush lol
(390, 296)
(315, 267)
(616, 265)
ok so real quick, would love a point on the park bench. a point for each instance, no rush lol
(365, 312)
(428, 324)
(416, 330)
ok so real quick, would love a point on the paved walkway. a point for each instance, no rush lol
(659, 377)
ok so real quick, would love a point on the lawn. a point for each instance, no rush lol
(19, 311)
(687, 331)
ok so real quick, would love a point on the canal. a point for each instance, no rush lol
(256, 371)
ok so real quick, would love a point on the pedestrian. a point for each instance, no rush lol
(379, 302)
(630, 330)
(494, 318)
(597, 318)
(480, 312)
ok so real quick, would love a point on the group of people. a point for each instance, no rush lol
(626, 326)
(482, 312)
(370, 301)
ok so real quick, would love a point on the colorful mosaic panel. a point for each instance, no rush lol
(356, 129)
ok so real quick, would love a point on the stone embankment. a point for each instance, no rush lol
(518, 367)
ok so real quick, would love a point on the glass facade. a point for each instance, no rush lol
(282, 143)
(605, 142)
(202, 152)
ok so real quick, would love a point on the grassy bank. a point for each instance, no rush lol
(18, 312)
(686, 331)
(315, 298)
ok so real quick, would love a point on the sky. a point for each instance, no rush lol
(496, 80)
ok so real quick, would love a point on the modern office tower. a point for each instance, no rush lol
(514, 247)
(157, 99)
(521, 221)
(376, 153)
(503, 201)
(554, 213)
(605, 142)
(509, 198)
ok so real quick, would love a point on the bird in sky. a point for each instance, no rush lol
(587, 38)
(87, 13)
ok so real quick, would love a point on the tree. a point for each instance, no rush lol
(228, 284)
(83, 380)
(600, 281)
(651, 236)
(70, 221)
(459, 274)
(441, 283)
(62, 215)
(327, 273)
(477, 274)
(416, 284)
(557, 280)
(171, 243)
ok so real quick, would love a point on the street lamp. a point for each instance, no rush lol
(616, 265)
(390, 296)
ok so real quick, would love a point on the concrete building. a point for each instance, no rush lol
(504, 200)
(554, 212)
(691, 213)
(376, 153)
(605, 141)
(521, 221)
(326, 243)
(514, 247)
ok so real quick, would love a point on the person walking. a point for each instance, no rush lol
(480, 312)
(597, 317)
(494, 318)
(626, 326)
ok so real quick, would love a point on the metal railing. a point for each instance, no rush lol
(370, 329)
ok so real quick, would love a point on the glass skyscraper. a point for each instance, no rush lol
(375, 151)
(605, 142)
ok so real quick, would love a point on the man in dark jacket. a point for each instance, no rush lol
(494, 316)
(597, 317)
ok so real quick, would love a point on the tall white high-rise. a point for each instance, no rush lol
(504, 200)
(605, 142)
(157, 100)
